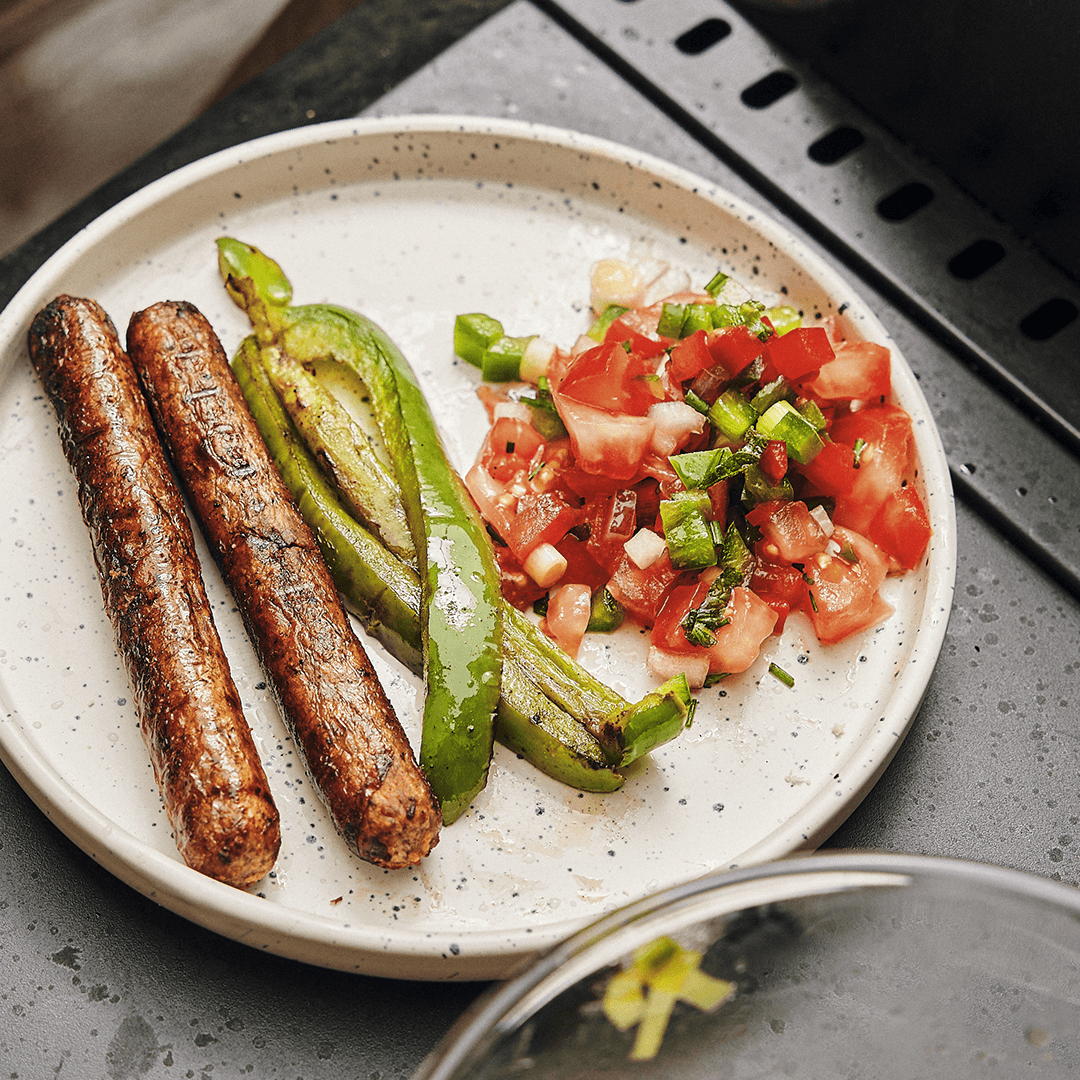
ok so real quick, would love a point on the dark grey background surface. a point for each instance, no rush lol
(96, 981)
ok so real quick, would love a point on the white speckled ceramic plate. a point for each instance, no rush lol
(412, 221)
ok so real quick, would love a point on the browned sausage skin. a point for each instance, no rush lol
(213, 786)
(353, 744)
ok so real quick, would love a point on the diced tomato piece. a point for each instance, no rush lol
(718, 499)
(781, 586)
(612, 520)
(581, 567)
(641, 592)
(843, 588)
(886, 432)
(543, 518)
(774, 460)
(734, 348)
(789, 533)
(638, 327)
(690, 356)
(603, 442)
(832, 471)
(510, 437)
(495, 505)
(860, 371)
(667, 632)
(901, 528)
(608, 377)
(568, 616)
(799, 353)
(517, 587)
(738, 642)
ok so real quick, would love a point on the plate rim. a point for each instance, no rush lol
(407, 953)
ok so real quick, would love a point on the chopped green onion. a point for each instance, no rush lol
(783, 319)
(778, 672)
(732, 415)
(783, 421)
(696, 403)
(473, 335)
(604, 320)
(772, 392)
(717, 283)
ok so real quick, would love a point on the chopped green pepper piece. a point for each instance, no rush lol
(758, 488)
(239, 260)
(607, 613)
(670, 323)
(474, 334)
(686, 530)
(501, 361)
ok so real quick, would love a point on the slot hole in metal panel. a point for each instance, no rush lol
(905, 201)
(704, 36)
(768, 90)
(835, 145)
(976, 259)
(1048, 319)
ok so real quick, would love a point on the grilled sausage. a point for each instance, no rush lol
(212, 783)
(353, 744)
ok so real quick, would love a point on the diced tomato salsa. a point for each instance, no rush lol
(712, 474)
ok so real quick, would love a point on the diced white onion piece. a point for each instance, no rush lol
(832, 548)
(821, 516)
(516, 410)
(666, 665)
(644, 548)
(545, 564)
(612, 281)
(675, 422)
(536, 360)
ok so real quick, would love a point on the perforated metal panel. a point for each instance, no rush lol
(963, 274)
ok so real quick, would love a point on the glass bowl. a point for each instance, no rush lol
(818, 966)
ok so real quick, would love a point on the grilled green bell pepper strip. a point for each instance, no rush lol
(367, 487)
(461, 610)
(384, 593)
